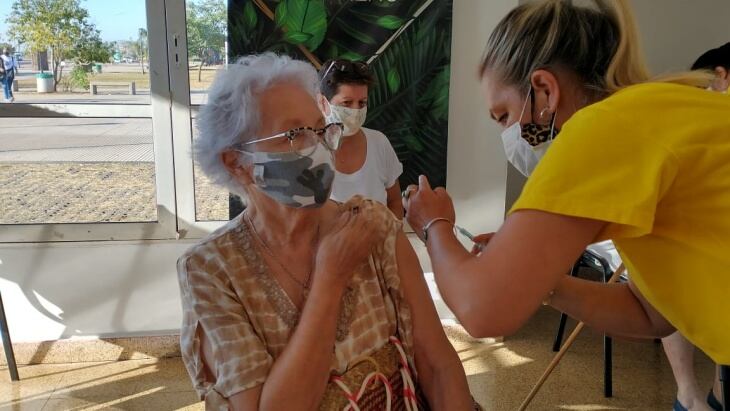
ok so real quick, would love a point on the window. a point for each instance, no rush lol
(93, 161)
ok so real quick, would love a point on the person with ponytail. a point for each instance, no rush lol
(611, 154)
(718, 62)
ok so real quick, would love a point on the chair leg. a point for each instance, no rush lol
(725, 383)
(7, 344)
(561, 330)
(608, 367)
(607, 350)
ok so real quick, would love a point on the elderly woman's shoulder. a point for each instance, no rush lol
(378, 213)
(215, 244)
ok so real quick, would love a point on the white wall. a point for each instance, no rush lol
(675, 32)
(477, 167)
(53, 291)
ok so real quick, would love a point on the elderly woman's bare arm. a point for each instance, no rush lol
(439, 369)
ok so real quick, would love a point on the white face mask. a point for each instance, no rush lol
(526, 144)
(351, 118)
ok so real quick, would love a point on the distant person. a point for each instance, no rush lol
(718, 61)
(10, 66)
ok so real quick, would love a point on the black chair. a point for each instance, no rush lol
(590, 259)
(7, 344)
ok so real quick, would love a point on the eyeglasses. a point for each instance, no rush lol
(359, 67)
(302, 140)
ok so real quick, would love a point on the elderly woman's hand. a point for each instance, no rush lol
(346, 244)
(423, 205)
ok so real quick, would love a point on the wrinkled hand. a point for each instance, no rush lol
(481, 241)
(346, 244)
(422, 204)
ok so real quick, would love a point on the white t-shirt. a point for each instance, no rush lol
(379, 172)
(8, 62)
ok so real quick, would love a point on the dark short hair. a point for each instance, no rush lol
(719, 57)
(335, 73)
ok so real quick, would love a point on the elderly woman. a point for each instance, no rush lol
(300, 303)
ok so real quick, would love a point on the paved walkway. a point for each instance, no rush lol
(120, 96)
(76, 139)
(74, 170)
(85, 170)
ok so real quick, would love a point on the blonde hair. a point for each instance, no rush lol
(599, 44)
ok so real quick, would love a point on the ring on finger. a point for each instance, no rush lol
(407, 192)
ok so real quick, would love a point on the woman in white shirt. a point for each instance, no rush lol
(366, 163)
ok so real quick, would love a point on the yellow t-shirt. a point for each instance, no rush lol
(653, 160)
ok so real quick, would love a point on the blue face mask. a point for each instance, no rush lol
(294, 180)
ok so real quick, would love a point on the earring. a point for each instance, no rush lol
(545, 110)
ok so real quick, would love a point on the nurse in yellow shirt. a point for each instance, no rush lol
(644, 164)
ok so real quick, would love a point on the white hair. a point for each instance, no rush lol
(231, 116)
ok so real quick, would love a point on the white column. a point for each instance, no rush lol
(477, 166)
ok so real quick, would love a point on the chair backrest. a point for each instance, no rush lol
(596, 262)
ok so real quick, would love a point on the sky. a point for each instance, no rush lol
(116, 20)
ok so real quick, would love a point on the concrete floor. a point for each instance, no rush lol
(500, 375)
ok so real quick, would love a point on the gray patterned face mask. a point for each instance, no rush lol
(294, 180)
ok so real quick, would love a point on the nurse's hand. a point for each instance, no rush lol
(422, 205)
(481, 241)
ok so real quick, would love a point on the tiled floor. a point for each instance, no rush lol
(500, 375)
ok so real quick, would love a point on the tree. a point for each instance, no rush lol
(140, 47)
(60, 26)
(207, 24)
(89, 48)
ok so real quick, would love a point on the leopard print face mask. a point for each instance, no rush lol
(526, 144)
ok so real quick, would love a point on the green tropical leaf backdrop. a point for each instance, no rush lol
(406, 42)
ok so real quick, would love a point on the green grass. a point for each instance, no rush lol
(142, 80)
